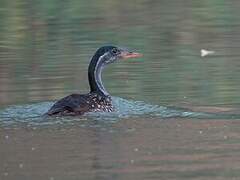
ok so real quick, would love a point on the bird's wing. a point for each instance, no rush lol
(71, 103)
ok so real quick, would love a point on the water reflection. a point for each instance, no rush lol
(134, 148)
(49, 44)
(45, 47)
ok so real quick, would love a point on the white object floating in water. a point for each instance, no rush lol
(205, 52)
(21, 165)
(136, 149)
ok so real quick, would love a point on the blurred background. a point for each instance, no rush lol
(45, 48)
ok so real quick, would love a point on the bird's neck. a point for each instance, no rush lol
(95, 76)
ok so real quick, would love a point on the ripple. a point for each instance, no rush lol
(33, 114)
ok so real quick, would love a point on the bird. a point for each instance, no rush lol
(98, 99)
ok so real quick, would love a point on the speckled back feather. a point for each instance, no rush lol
(78, 104)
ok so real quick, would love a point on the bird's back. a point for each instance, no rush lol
(78, 104)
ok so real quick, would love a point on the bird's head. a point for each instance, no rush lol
(110, 54)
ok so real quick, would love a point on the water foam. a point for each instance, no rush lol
(33, 114)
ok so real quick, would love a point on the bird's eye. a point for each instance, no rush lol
(114, 51)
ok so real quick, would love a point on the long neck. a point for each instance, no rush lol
(95, 75)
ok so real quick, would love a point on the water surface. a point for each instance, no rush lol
(178, 113)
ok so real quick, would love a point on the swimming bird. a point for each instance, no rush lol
(98, 99)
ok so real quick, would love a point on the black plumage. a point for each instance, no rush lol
(78, 104)
(98, 99)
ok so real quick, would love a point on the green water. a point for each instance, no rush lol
(45, 48)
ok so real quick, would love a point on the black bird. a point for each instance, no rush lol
(98, 99)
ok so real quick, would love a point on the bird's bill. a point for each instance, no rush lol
(127, 55)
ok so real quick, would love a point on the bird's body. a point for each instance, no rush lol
(78, 104)
(98, 99)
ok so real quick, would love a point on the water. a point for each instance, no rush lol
(177, 113)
